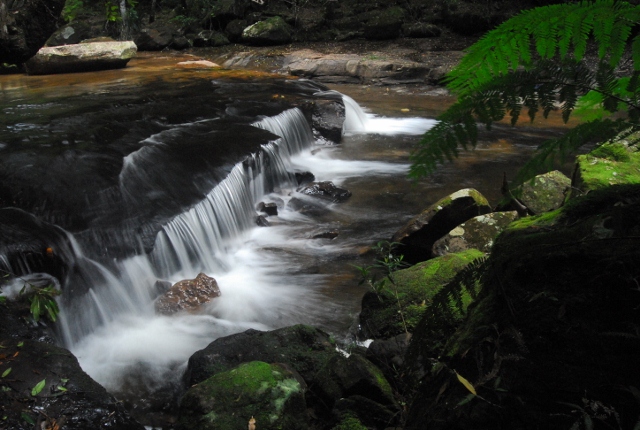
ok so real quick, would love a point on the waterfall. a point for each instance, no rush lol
(118, 306)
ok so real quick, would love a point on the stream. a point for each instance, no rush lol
(153, 173)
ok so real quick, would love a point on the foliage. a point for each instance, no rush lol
(536, 62)
(42, 302)
(71, 9)
(387, 263)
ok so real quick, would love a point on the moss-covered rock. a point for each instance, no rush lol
(612, 163)
(269, 393)
(271, 31)
(553, 325)
(415, 286)
(477, 233)
(420, 233)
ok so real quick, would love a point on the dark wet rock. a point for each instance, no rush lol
(81, 57)
(367, 412)
(70, 34)
(270, 394)
(385, 24)
(416, 287)
(30, 245)
(356, 379)
(421, 29)
(326, 190)
(188, 295)
(328, 118)
(25, 26)
(308, 207)
(161, 287)
(69, 398)
(261, 221)
(180, 43)
(477, 233)
(272, 31)
(388, 354)
(551, 326)
(234, 29)
(419, 234)
(210, 38)
(154, 39)
(270, 209)
(332, 234)
(304, 348)
(304, 178)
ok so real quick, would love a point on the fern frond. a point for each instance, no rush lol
(562, 30)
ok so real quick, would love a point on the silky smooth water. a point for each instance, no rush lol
(269, 277)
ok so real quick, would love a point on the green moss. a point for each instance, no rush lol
(543, 220)
(609, 164)
(415, 286)
(350, 423)
(612, 151)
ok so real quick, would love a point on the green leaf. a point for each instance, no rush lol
(61, 388)
(6, 372)
(38, 388)
(20, 344)
(28, 418)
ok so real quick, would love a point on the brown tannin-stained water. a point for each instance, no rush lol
(154, 172)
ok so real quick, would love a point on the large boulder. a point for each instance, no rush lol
(328, 119)
(419, 234)
(188, 295)
(543, 193)
(304, 348)
(272, 31)
(81, 57)
(415, 287)
(552, 327)
(270, 396)
(477, 233)
(44, 383)
(25, 25)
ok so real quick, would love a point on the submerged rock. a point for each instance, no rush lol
(418, 235)
(271, 395)
(81, 57)
(477, 233)
(327, 191)
(188, 295)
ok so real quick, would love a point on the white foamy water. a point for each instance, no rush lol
(358, 121)
(113, 328)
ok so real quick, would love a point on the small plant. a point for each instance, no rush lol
(386, 264)
(42, 302)
(71, 9)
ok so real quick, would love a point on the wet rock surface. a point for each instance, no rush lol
(326, 190)
(188, 295)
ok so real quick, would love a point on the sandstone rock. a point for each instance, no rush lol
(81, 57)
(272, 395)
(188, 295)
(198, 64)
(272, 31)
(477, 233)
(327, 191)
(418, 235)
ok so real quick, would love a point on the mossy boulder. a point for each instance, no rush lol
(552, 326)
(477, 233)
(418, 235)
(612, 163)
(306, 349)
(271, 394)
(271, 31)
(415, 286)
(545, 192)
